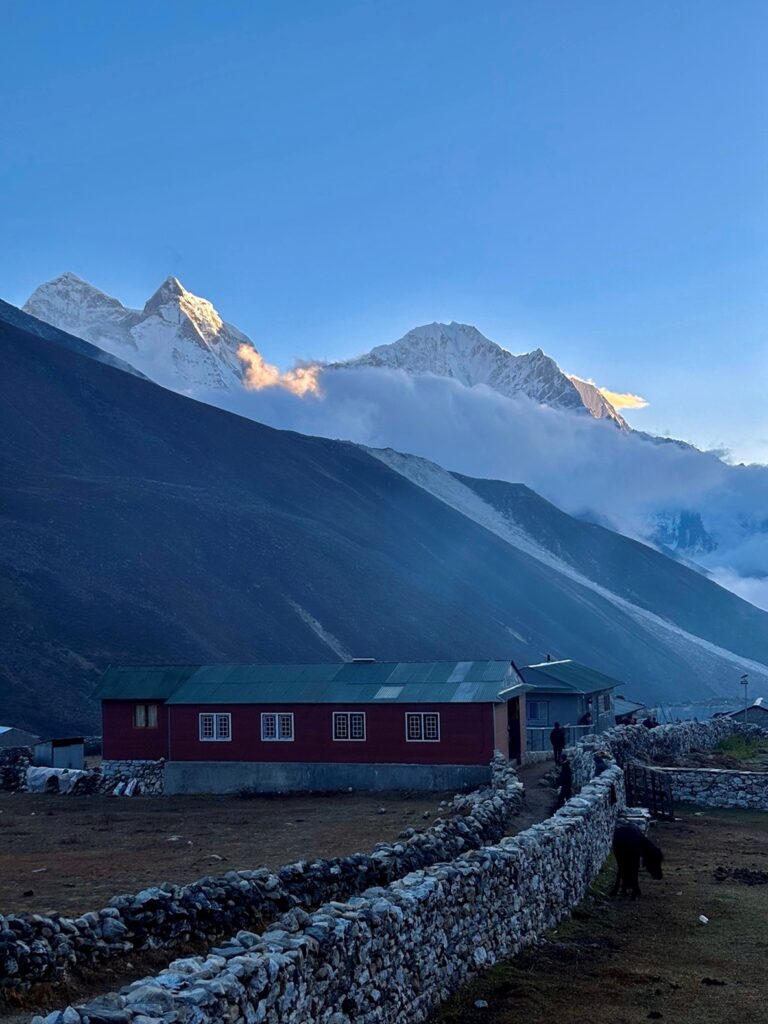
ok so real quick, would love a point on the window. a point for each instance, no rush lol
(422, 727)
(606, 702)
(277, 726)
(349, 725)
(215, 727)
(537, 711)
(145, 716)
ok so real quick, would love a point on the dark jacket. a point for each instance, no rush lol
(557, 738)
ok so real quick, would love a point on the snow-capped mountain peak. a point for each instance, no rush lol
(461, 352)
(177, 339)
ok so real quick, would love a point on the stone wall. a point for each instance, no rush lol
(150, 775)
(636, 743)
(36, 948)
(14, 762)
(392, 954)
(716, 787)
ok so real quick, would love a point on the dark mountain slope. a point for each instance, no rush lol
(26, 322)
(632, 570)
(141, 526)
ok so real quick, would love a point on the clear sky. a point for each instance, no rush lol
(589, 177)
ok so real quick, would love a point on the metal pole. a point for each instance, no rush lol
(745, 683)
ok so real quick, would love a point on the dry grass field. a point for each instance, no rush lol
(72, 854)
(622, 962)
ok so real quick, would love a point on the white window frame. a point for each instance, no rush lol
(347, 716)
(422, 717)
(278, 717)
(538, 720)
(215, 720)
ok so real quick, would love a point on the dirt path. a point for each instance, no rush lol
(539, 797)
(624, 962)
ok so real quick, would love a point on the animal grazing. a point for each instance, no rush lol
(630, 846)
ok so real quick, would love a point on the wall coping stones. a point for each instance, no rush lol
(45, 949)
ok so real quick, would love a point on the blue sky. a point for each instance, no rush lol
(585, 177)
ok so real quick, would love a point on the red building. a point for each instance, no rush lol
(364, 724)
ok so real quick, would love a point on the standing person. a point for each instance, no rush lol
(557, 739)
(565, 782)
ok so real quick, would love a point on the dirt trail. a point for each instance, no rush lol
(539, 798)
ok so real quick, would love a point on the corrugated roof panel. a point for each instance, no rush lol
(568, 675)
(339, 683)
(364, 672)
(153, 682)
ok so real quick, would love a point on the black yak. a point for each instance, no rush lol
(629, 847)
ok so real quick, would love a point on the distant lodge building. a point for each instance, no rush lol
(10, 736)
(360, 724)
(755, 714)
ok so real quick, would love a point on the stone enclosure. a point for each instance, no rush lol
(397, 930)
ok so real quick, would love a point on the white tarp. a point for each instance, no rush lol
(37, 778)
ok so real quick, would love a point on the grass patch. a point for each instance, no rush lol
(745, 748)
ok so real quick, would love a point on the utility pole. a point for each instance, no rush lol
(744, 681)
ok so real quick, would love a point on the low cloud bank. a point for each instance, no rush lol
(583, 465)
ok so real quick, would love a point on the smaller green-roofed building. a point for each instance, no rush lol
(579, 698)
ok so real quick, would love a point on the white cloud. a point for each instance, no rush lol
(583, 465)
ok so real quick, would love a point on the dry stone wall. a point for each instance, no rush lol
(149, 774)
(14, 762)
(36, 948)
(716, 787)
(392, 954)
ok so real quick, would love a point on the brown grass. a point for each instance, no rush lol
(75, 853)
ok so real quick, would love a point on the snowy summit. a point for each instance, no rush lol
(461, 352)
(177, 339)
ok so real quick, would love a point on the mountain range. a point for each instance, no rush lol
(179, 340)
(140, 525)
(462, 353)
(685, 502)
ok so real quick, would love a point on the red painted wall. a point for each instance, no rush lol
(466, 735)
(123, 742)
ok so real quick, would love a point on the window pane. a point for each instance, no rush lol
(140, 716)
(222, 727)
(340, 726)
(269, 727)
(431, 726)
(357, 726)
(206, 727)
(413, 726)
(152, 716)
(286, 727)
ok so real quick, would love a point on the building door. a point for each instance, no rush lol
(514, 725)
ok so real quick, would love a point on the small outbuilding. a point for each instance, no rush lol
(626, 711)
(578, 697)
(60, 753)
(360, 724)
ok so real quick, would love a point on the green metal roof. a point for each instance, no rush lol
(152, 683)
(460, 682)
(567, 677)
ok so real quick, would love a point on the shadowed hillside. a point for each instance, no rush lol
(141, 526)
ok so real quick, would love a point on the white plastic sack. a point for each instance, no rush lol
(37, 778)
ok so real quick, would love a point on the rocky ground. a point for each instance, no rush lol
(621, 962)
(72, 854)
